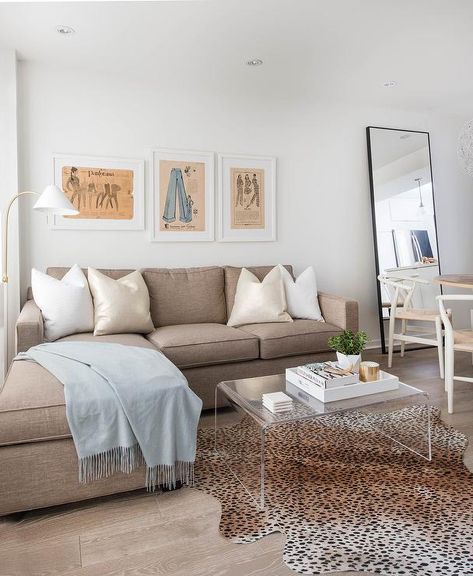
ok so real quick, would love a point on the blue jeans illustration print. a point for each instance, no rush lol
(176, 187)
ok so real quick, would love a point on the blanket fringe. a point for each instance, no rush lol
(126, 459)
(169, 475)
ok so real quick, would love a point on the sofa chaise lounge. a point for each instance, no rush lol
(189, 309)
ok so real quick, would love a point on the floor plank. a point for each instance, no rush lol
(145, 534)
(32, 558)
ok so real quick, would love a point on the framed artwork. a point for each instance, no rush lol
(182, 199)
(108, 192)
(247, 198)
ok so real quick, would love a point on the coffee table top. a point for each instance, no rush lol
(247, 393)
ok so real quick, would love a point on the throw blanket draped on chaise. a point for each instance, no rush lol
(125, 406)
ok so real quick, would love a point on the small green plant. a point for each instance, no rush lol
(349, 343)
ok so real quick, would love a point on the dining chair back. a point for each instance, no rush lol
(402, 289)
(455, 341)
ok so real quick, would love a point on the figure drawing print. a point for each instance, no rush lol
(182, 196)
(99, 193)
(247, 189)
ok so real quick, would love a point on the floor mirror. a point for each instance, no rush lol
(403, 212)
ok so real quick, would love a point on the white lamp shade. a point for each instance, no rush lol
(53, 200)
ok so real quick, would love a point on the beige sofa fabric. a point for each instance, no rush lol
(29, 327)
(48, 474)
(204, 379)
(125, 339)
(189, 345)
(57, 272)
(186, 295)
(232, 274)
(32, 405)
(342, 312)
(292, 338)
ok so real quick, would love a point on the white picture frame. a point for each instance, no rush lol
(199, 189)
(135, 222)
(239, 218)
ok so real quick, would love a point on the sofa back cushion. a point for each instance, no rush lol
(58, 272)
(186, 295)
(232, 274)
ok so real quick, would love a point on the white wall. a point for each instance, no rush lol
(324, 214)
(9, 185)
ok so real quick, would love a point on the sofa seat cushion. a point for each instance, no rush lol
(32, 405)
(292, 338)
(192, 345)
(125, 339)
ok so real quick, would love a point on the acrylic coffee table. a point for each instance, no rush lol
(245, 453)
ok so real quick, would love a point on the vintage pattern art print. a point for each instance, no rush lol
(247, 194)
(181, 196)
(183, 192)
(247, 185)
(108, 193)
(104, 193)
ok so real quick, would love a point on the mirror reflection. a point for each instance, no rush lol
(403, 213)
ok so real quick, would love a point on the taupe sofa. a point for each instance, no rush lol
(189, 308)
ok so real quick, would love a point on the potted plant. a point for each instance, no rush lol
(348, 347)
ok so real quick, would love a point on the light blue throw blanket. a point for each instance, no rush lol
(125, 406)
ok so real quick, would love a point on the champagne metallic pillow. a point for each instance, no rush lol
(257, 302)
(120, 305)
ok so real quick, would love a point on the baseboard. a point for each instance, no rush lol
(373, 344)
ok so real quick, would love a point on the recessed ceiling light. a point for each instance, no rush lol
(254, 62)
(389, 84)
(64, 30)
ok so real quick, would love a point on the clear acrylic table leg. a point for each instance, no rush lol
(409, 426)
(243, 452)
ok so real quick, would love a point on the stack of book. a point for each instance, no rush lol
(277, 402)
(327, 382)
(327, 375)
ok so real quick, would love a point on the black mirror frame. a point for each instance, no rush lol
(373, 219)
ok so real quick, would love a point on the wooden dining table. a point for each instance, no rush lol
(455, 280)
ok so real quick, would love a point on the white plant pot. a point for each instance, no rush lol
(350, 362)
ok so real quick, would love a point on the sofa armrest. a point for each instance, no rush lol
(29, 327)
(342, 312)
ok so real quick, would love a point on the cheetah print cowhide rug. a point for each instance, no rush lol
(346, 497)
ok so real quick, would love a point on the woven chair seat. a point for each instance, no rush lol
(425, 314)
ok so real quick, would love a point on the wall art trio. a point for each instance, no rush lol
(110, 195)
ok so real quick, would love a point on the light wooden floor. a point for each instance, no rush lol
(176, 534)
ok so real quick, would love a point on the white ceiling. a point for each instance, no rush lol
(343, 49)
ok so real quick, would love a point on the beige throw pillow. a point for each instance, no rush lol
(257, 302)
(120, 305)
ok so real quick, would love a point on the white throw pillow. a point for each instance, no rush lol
(301, 294)
(120, 305)
(66, 305)
(257, 302)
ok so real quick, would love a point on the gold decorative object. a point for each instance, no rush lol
(369, 371)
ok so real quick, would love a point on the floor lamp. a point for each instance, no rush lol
(53, 201)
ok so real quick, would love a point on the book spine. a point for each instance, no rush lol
(306, 385)
(313, 378)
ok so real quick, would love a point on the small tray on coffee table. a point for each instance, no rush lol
(385, 383)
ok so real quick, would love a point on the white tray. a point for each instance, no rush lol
(384, 384)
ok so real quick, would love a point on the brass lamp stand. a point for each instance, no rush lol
(53, 201)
